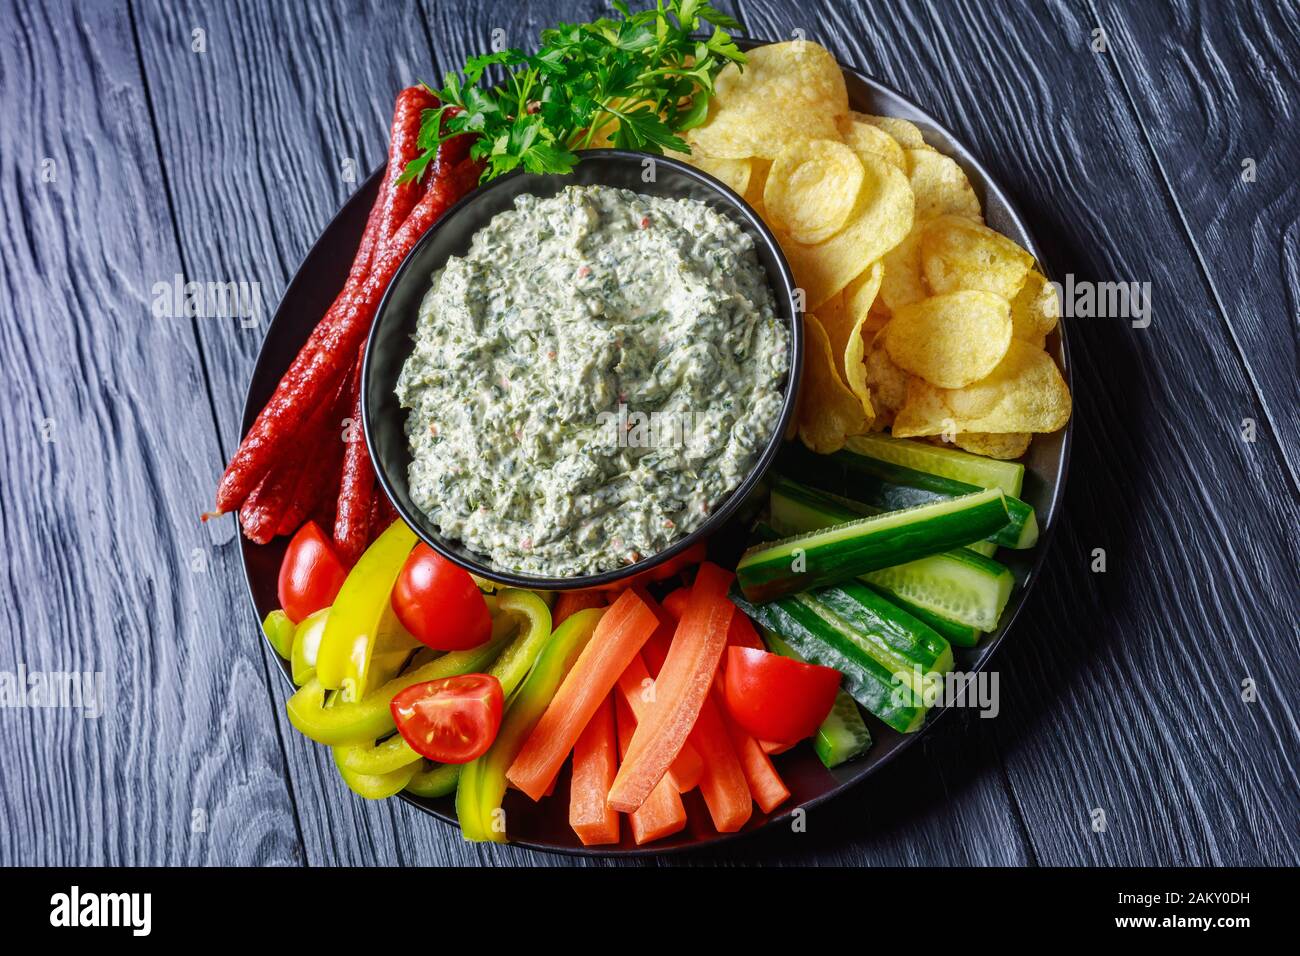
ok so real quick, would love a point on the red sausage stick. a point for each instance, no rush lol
(325, 451)
(352, 519)
(398, 199)
(328, 355)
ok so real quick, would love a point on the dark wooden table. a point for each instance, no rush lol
(1148, 711)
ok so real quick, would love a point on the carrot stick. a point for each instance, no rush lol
(725, 789)
(595, 761)
(675, 602)
(765, 784)
(571, 602)
(680, 690)
(772, 747)
(633, 684)
(617, 638)
(663, 813)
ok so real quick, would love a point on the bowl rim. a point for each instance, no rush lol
(785, 295)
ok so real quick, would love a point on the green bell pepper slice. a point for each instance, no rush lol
(435, 780)
(279, 631)
(306, 645)
(378, 786)
(368, 719)
(510, 668)
(347, 646)
(376, 758)
(534, 631)
(482, 783)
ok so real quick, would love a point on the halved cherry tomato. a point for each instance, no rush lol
(311, 573)
(452, 720)
(775, 698)
(439, 602)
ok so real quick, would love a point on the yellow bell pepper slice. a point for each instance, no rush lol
(347, 646)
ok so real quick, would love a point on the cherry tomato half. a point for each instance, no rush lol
(452, 720)
(311, 573)
(775, 698)
(439, 602)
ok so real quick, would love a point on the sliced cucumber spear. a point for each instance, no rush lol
(886, 656)
(945, 462)
(958, 593)
(883, 484)
(847, 550)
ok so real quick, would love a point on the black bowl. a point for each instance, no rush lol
(391, 340)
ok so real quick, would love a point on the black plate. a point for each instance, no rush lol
(391, 341)
(544, 825)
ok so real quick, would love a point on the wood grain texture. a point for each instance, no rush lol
(1216, 87)
(106, 566)
(1121, 691)
(289, 107)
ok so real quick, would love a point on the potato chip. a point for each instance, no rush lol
(787, 93)
(904, 132)
(902, 284)
(950, 340)
(957, 254)
(940, 186)
(733, 173)
(1027, 394)
(1007, 446)
(758, 170)
(862, 136)
(860, 294)
(812, 189)
(1035, 310)
(883, 217)
(828, 410)
(886, 381)
(843, 319)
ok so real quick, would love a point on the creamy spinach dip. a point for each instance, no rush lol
(591, 379)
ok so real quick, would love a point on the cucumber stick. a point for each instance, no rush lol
(886, 656)
(958, 586)
(946, 462)
(889, 486)
(833, 554)
(843, 735)
(960, 635)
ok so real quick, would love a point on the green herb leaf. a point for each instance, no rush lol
(636, 81)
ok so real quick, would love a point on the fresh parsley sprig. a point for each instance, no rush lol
(636, 82)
